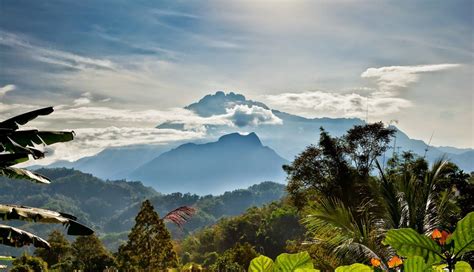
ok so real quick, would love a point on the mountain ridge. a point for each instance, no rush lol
(213, 167)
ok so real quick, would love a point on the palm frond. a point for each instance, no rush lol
(330, 221)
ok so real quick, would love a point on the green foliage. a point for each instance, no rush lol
(462, 267)
(90, 254)
(111, 206)
(261, 264)
(60, 249)
(267, 229)
(284, 262)
(414, 264)
(463, 236)
(357, 267)
(27, 263)
(409, 243)
(149, 244)
(191, 267)
(290, 262)
(236, 258)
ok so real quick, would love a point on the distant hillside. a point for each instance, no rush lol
(115, 162)
(234, 161)
(111, 206)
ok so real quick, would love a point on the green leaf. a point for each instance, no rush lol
(261, 264)
(32, 137)
(306, 270)
(408, 243)
(357, 267)
(7, 258)
(415, 264)
(18, 173)
(463, 236)
(290, 262)
(438, 268)
(24, 118)
(462, 267)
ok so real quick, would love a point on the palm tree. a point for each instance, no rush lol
(406, 198)
(18, 146)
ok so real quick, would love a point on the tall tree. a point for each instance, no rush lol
(149, 246)
(91, 255)
(60, 249)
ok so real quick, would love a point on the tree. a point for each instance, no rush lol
(18, 146)
(235, 259)
(60, 249)
(28, 263)
(338, 167)
(149, 246)
(91, 255)
(348, 211)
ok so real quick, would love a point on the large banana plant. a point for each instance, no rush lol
(18, 146)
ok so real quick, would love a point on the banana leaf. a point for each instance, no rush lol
(17, 212)
(18, 173)
(14, 237)
(24, 118)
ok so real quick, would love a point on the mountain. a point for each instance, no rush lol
(109, 207)
(296, 132)
(115, 162)
(287, 139)
(234, 161)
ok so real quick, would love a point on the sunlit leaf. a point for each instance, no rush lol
(357, 267)
(290, 262)
(462, 267)
(261, 264)
(463, 236)
(408, 243)
(415, 264)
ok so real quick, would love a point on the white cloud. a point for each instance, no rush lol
(81, 101)
(243, 115)
(392, 78)
(327, 104)
(7, 88)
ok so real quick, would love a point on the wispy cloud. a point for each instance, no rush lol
(174, 13)
(392, 78)
(331, 104)
(7, 88)
(53, 56)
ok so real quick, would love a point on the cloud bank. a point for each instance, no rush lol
(330, 104)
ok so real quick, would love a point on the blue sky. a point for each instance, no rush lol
(411, 60)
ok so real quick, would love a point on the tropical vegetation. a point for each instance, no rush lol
(352, 204)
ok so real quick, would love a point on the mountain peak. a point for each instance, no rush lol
(234, 138)
(214, 104)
